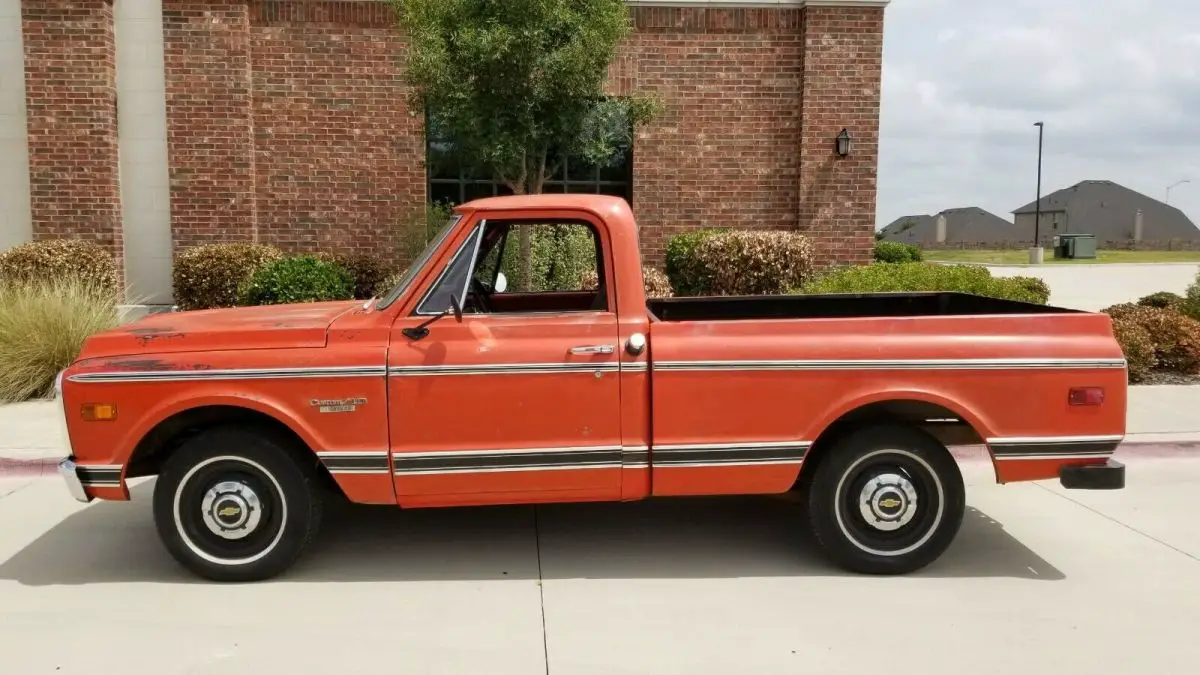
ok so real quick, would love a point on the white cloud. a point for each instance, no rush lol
(1117, 84)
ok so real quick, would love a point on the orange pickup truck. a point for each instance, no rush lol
(453, 389)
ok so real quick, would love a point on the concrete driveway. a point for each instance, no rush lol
(1039, 581)
(1094, 287)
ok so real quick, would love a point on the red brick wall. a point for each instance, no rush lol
(339, 160)
(287, 124)
(71, 107)
(206, 49)
(724, 153)
(842, 62)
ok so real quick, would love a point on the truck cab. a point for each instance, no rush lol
(468, 385)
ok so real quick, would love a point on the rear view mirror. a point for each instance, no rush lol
(501, 282)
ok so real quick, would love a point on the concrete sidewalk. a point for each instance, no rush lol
(1160, 415)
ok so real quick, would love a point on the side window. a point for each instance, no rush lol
(563, 258)
(454, 278)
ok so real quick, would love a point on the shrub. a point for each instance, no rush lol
(302, 278)
(896, 252)
(1191, 303)
(54, 259)
(1163, 300)
(753, 262)
(213, 275)
(1138, 347)
(419, 228)
(368, 271)
(919, 277)
(1176, 338)
(43, 324)
(655, 282)
(1035, 286)
(684, 270)
(561, 254)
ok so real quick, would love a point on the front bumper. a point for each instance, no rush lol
(1107, 476)
(70, 474)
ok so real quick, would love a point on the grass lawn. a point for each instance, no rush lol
(1022, 256)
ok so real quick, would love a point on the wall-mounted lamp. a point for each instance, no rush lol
(843, 143)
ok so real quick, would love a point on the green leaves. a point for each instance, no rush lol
(303, 278)
(515, 85)
(914, 277)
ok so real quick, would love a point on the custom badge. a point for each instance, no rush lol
(338, 405)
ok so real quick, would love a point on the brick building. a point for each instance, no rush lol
(153, 125)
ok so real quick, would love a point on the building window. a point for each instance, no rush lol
(454, 183)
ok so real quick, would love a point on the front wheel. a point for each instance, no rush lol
(233, 504)
(886, 500)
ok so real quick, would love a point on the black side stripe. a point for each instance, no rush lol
(755, 454)
(499, 461)
(1050, 449)
(99, 477)
(348, 462)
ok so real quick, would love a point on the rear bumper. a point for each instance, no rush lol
(69, 471)
(1107, 476)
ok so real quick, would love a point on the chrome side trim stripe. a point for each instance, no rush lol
(505, 369)
(893, 364)
(1053, 447)
(518, 459)
(370, 462)
(635, 366)
(635, 457)
(229, 374)
(727, 454)
(99, 475)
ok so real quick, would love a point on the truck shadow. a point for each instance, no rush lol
(681, 538)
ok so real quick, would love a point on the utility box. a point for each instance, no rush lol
(1075, 246)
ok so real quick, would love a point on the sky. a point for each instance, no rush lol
(1116, 82)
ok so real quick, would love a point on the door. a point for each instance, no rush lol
(520, 400)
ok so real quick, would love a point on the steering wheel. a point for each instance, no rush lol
(482, 299)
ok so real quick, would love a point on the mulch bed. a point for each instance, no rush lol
(1165, 377)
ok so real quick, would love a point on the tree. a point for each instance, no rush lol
(519, 84)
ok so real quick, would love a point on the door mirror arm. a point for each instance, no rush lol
(421, 330)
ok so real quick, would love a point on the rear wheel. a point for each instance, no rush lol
(232, 504)
(886, 500)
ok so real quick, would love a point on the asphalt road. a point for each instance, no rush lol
(1039, 581)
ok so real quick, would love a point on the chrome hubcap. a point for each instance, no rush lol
(231, 510)
(888, 502)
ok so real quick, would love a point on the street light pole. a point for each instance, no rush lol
(1175, 185)
(1036, 254)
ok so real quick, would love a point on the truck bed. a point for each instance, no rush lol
(839, 306)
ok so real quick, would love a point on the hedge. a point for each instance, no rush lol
(738, 262)
(302, 278)
(368, 271)
(896, 252)
(1175, 337)
(213, 275)
(917, 277)
(60, 260)
(655, 283)
(686, 272)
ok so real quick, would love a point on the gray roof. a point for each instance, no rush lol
(963, 225)
(1108, 210)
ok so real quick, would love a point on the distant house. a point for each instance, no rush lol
(968, 225)
(1110, 211)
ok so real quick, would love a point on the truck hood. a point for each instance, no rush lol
(265, 327)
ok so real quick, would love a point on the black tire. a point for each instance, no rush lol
(268, 500)
(876, 527)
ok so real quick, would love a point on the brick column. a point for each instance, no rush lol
(843, 62)
(210, 142)
(71, 110)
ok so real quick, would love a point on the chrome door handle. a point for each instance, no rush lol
(593, 349)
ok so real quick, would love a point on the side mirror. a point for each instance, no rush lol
(501, 282)
(457, 308)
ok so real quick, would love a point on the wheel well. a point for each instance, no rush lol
(945, 425)
(148, 457)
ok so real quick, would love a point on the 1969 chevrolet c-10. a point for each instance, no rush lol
(452, 389)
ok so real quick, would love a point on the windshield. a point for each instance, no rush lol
(419, 262)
